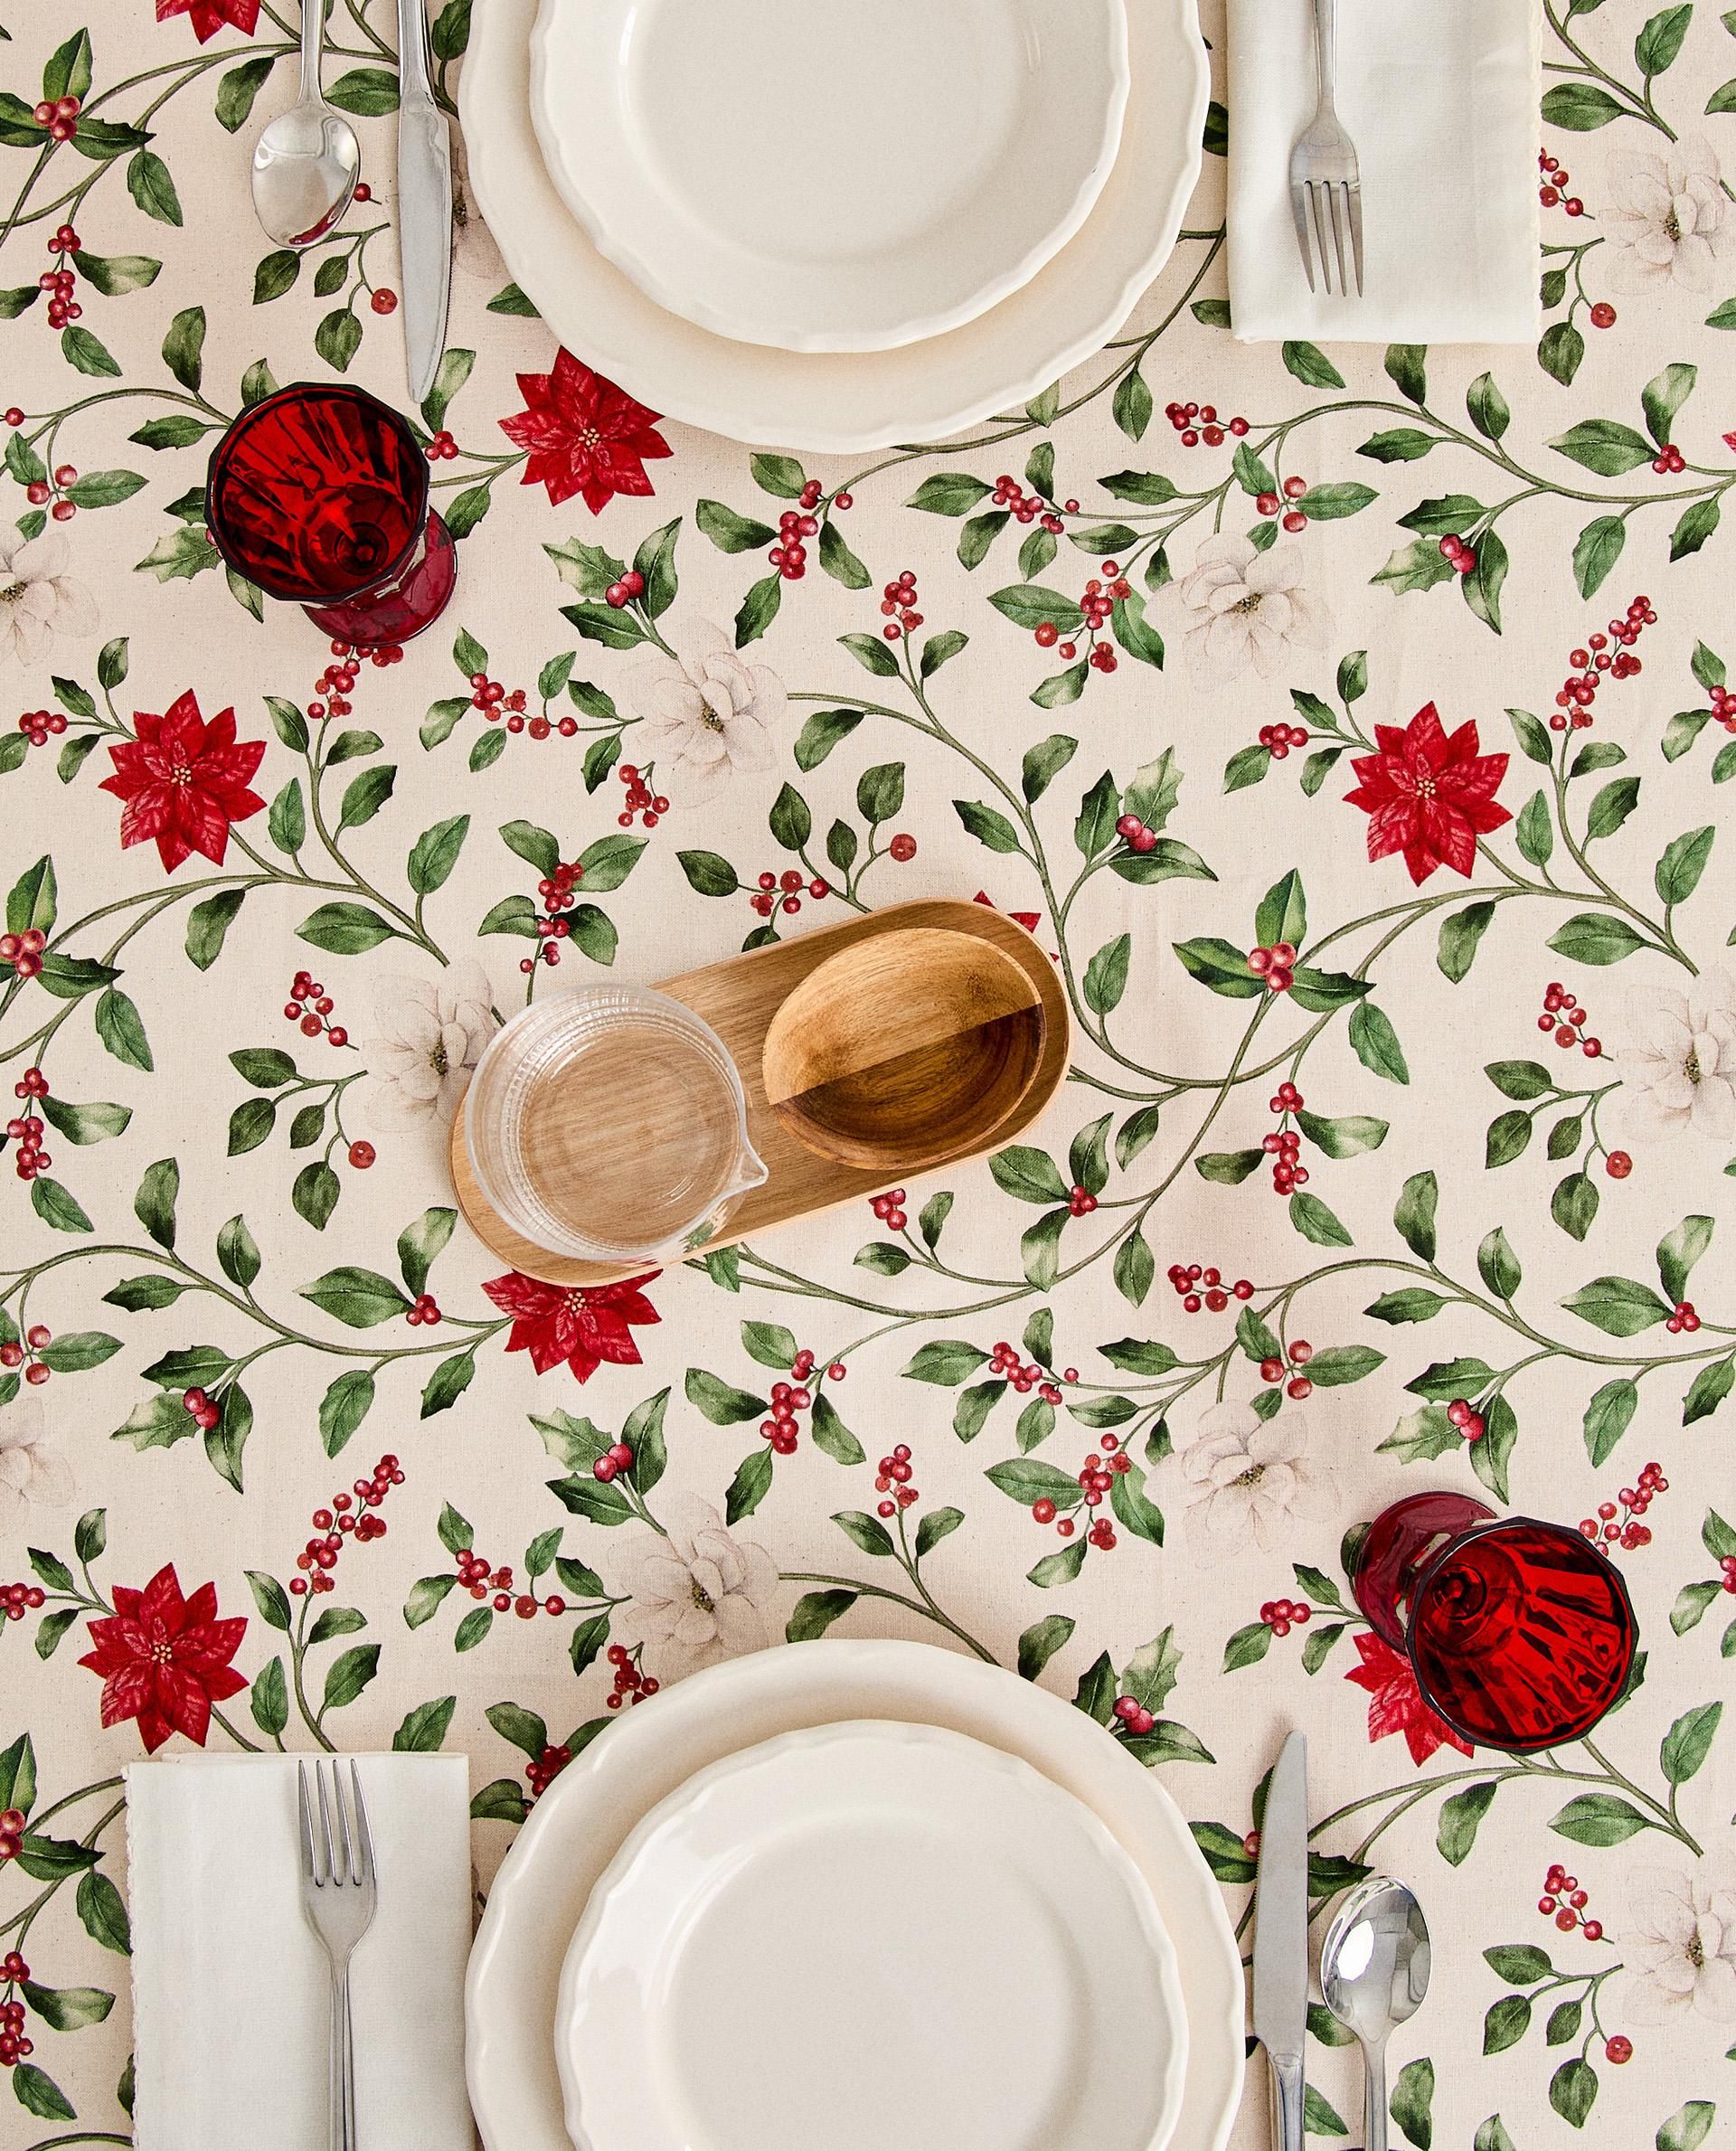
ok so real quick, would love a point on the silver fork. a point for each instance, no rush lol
(1325, 187)
(337, 1896)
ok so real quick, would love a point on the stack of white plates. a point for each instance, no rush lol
(839, 1896)
(832, 224)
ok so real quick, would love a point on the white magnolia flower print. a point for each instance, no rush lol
(1666, 219)
(707, 712)
(430, 1033)
(1680, 1951)
(30, 1471)
(1250, 1476)
(1245, 607)
(701, 1594)
(1681, 1061)
(474, 250)
(38, 599)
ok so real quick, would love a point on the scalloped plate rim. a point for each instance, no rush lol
(514, 1974)
(832, 403)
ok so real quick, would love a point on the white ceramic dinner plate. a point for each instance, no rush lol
(864, 1935)
(829, 174)
(577, 1827)
(841, 403)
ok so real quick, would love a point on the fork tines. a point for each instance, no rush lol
(1334, 207)
(346, 1860)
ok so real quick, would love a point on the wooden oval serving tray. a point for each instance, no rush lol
(983, 1046)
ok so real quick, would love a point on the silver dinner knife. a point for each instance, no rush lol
(1281, 1937)
(424, 203)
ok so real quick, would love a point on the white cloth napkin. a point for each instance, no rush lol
(230, 1991)
(1440, 98)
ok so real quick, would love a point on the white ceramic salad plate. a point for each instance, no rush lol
(842, 403)
(829, 174)
(871, 1934)
(574, 1832)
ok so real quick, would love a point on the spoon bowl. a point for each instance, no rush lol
(1375, 1966)
(305, 169)
(307, 162)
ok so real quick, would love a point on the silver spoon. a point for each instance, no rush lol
(1373, 1973)
(304, 164)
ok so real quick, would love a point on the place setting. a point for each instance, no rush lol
(919, 279)
(925, 271)
(895, 1838)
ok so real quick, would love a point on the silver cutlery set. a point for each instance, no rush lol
(307, 162)
(1374, 1961)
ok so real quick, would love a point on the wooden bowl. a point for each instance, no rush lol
(904, 1048)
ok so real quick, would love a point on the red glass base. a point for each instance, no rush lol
(1522, 1635)
(403, 608)
(1402, 1541)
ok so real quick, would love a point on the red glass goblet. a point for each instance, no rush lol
(1521, 1633)
(320, 495)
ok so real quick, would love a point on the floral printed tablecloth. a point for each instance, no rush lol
(1349, 723)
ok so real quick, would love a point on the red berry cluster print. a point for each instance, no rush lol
(310, 1008)
(1196, 422)
(631, 1685)
(1199, 1285)
(553, 924)
(795, 526)
(1590, 667)
(789, 1400)
(640, 803)
(24, 1130)
(893, 1481)
(351, 1515)
(1617, 1523)
(39, 726)
(1281, 1615)
(1564, 1018)
(1565, 1902)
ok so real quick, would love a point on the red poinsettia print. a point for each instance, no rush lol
(582, 1327)
(1395, 1701)
(584, 435)
(165, 1659)
(1428, 794)
(209, 16)
(185, 781)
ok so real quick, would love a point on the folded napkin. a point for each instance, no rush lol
(1440, 98)
(230, 1991)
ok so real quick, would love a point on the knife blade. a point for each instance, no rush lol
(424, 203)
(1281, 1935)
